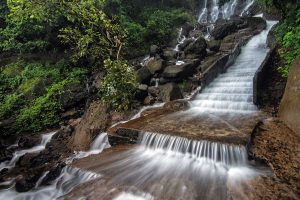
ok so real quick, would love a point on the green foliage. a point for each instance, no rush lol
(149, 22)
(183, 85)
(91, 34)
(31, 92)
(119, 85)
(288, 35)
(43, 111)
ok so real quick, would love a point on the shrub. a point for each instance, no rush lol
(119, 85)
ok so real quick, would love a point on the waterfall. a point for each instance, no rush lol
(211, 11)
(16, 156)
(232, 92)
(199, 150)
(69, 178)
(214, 15)
(203, 14)
(180, 40)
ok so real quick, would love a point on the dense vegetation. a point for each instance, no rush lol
(50, 47)
(288, 31)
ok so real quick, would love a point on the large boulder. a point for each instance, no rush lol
(181, 71)
(154, 49)
(169, 54)
(155, 65)
(223, 28)
(186, 28)
(143, 75)
(170, 92)
(142, 92)
(289, 110)
(197, 47)
(256, 23)
(73, 95)
(95, 121)
(214, 45)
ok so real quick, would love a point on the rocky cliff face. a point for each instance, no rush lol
(289, 110)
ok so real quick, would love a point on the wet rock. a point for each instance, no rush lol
(214, 45)
(170, 92)
(155, 65)
(186, 43)
(197, 47)
(149, 100)
(154, 91)
(256, 23)
(6, 154)
(142, 92)
(143, 75)
(169, 54)
(223, 28)
(181, 71)
(186, 28)
(95, 120)
(154, 49)
(24, 185)
(27, 142)
(177, 105)
(53, 174)
(195, 34)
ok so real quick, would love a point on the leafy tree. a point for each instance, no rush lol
(90, 33)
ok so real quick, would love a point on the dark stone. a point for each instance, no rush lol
(176, 105)
(6, 154)
(170, 92)
(24, 185)
(214, 45)
(73, 95)
(53, 174)
(181, 71)
(198, 47)
(186, 28)
(256, 23)
(142, 92)
(154, 91)
(143, 75)
(223, 28)
(155, 65)
(169, 54)
(154, 49)
(28, 142)
(186, 43)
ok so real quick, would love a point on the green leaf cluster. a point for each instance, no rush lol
(119, 85)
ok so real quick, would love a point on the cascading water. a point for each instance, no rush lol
(167, 167)
(232, 92)
(69, 178)
(203, 14)
(211, 11)
(16, 156)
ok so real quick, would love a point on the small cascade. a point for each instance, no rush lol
(248, 5)
(202, 19)
(46, 138)
(145, 60)
(232, 92)
(214, 15)
(224, 154)
(69, 178)
(228, 9)
(180, 40)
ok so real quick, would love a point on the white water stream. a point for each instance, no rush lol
(16, 156)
